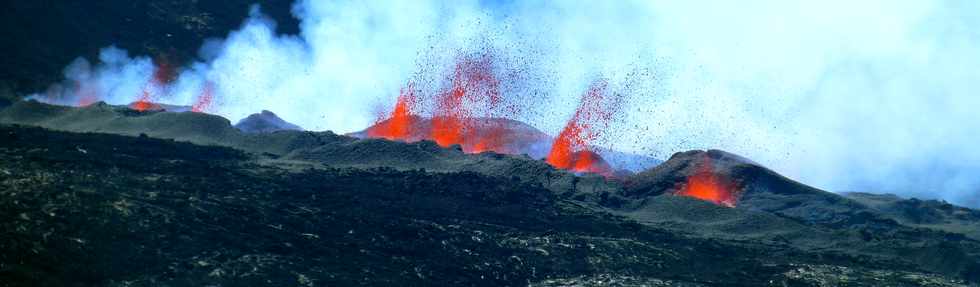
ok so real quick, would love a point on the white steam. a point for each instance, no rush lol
(872, 95)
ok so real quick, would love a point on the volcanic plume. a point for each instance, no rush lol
(572, 148)
(706, 184)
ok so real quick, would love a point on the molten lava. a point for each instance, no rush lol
(462, 114)
(401, 123)
(203, 103)
(163, 73)
(571, 149)
(707, 185)
(143, 103)
(474, 90)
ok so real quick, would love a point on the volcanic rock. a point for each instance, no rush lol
(419, 193)
(299, 147)
(265, 122)
(933, 214)
(200, 202)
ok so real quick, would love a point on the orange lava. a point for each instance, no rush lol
(143, 103)
(571, 149)
(163, 73)
(203, 103)
(474, 92)
(461, 115)
(401, 123)
(706, 185)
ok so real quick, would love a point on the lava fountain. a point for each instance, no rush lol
(707, 185)
(163, 73)
(203, 103)
(474, 90)
(462, 113)
(401, 123)
(571, 150)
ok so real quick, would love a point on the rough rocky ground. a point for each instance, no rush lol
(103, 209)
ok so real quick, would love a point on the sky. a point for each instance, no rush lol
(875, 96)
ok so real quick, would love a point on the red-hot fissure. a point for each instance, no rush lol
(463, 115)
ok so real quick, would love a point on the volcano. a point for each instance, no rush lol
(264, 122)
(199, 184)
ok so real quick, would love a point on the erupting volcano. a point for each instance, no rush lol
(163, 73)
(400, 124)
(706, 184)
(203, 103)
(474, 91)
(572, 149)
(464, 114)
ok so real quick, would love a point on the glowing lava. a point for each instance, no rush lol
(474, 90)
(462, 113)
(163, 73)
(143, 103)
(203, 103)
(707, 185)
(571, 149)
(401, 123)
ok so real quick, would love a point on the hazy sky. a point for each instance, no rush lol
(843, 95)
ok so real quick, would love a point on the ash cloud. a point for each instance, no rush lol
(873, 96)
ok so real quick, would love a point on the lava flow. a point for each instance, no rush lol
(707, 185)
(401, 124)
(203, 103)
(572, 148)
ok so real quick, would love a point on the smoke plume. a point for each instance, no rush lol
(871, 96)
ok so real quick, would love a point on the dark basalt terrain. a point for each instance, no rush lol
(185, 199)
(265, 122)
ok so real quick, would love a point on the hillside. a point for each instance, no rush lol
(513, 220)
(170, 213)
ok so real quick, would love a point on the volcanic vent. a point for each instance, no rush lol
(470, 112)
(705, 175)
